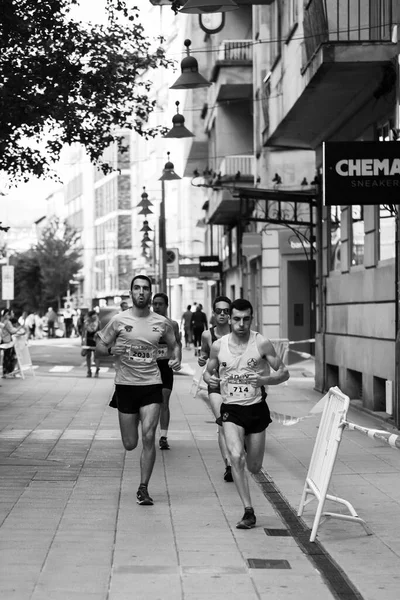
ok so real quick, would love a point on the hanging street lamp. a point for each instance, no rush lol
(190, 77)
(178, 126)
(168, 174)
(196, 7)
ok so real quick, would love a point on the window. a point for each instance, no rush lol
(276, 34)
(357, 235)
(335, 238)
(387, 234)
(292, 14)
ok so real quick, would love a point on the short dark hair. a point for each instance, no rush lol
(91, 313)
(161, 295)
(241, 304)
(189, 306)
(222, 299)
(141, 277)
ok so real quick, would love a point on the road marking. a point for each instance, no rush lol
(61, 369)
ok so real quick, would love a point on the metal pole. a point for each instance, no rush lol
(162, 240)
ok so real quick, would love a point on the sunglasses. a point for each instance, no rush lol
(221, 311)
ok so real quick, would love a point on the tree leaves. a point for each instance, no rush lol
(43, 273)
(62, 82)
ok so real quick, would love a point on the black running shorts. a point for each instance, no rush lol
(130, 398)
(167, 374)
(253, 418)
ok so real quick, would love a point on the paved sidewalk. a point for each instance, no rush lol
(71, 528)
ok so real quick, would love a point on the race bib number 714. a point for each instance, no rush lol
(239, 387)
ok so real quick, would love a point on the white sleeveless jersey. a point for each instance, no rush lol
(234, 370)
(141, 336)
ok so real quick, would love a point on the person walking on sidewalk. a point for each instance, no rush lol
(91, 325)
(199, 324)
(160, 306)
(220, 315)
(133, 337)
(186, 324)
(240, 363)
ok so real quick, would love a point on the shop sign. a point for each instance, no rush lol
(251, 244)
(361, 173)
(189, 270)
(210, 264)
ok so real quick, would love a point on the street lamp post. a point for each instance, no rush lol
(168, 174)
(162, 240)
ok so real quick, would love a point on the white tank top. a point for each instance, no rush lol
(233, 372)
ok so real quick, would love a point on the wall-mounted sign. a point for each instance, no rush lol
(251, 244)
(189, 270)
(172, 260)
(7, 283)
(363, 173)
(210, 264)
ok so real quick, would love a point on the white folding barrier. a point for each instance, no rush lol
(322, 462)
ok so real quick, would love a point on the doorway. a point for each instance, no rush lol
(299, 313)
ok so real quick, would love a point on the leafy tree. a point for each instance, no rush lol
(42, 273)
(67, 82)
(58, 256)
(28, 283)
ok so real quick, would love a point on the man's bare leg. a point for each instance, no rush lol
(234, 438)
(128, 424)
(215, 403)
(149, 416)
(165, 416)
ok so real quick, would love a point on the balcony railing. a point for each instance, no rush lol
(232, 165)
(235, 50)
(347, 21)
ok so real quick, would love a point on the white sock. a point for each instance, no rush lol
(164, 432)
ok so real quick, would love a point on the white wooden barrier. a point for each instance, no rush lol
(322, 462)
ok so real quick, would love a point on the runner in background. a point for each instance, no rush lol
(160, 306)
(240, 364)
(220, 315)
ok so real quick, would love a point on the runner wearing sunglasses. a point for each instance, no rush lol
(221, 310)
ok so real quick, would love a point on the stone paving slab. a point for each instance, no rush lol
(71, 528)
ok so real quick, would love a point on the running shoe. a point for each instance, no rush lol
(142, 496)
(163, 443)
(248, 520)
(228, 474)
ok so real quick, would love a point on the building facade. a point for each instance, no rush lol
(287, 76)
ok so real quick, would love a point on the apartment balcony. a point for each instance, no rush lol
(346, 72)
(235, 171)
(232, 71)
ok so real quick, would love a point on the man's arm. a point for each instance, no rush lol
(281, 372)
(173, 346)
(205, 348)
(177, 333)
(210, 375)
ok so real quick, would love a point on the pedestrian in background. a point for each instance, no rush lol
(7, 331)
(186, 325)
(52, 321)
(199, 324)
(123, 306)
(91, 325)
